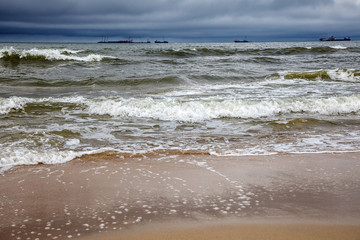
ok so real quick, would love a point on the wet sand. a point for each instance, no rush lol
(248, 231)
(184, 196)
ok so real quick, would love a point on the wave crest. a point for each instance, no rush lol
(345, 75)
(194, 110)
(204, 51)
(35, 54)
(200, 110)
(13, 103)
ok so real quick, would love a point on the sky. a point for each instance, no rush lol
(178, 20)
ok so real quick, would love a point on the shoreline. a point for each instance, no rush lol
(114, 197)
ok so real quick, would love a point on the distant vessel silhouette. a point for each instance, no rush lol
(157, 41)
(105, 40)
(121, 41)
(241, 41)
(332, 38)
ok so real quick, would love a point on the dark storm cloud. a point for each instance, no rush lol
(187, 18)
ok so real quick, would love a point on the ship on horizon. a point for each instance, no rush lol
(157, 41)
(242, 41)
(332, 38)
(104, 40)
(120, 41)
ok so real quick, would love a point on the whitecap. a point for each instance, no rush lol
(51, 54)
(338, 47)
(197, 110)
(12, 103)
(346, 75)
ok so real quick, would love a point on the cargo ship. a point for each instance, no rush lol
(120, 41)
(332, 38)
(105, 40)
(157, 41)
(241, 41)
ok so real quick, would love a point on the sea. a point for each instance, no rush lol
(61, 101)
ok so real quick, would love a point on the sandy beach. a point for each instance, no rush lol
(184, 196)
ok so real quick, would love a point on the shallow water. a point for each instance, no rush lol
(59, 101)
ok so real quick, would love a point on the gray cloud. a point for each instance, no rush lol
(180, 19)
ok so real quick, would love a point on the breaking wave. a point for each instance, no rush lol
(36, 54)
(200, 110)
(344, 75)
(195, 110)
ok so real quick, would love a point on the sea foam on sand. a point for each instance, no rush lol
(110, 193)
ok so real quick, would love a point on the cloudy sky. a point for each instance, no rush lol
(182, 20)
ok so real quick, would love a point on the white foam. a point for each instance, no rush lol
(11, 157)
(201, 110)
(8, 104)
(338, 47)
(22, 156)
(52, 54)
(346, 75)
(4, 169)
(18, 103)
(196, 110)
(72, 143)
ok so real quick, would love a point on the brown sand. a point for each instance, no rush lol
(246, 231)
(110, 196)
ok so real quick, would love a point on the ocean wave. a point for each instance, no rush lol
(203, 51)
(190, 110)
(301, 123)
(22, 156)
(10, 157)
(36, 54)
(15, 103)
(338, 47)
(14, 157)
(38, 82)
(201, 110)
(344, 75)
(298, 50)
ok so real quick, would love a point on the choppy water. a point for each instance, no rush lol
(59, 101)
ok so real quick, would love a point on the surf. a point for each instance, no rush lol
(37, 54)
